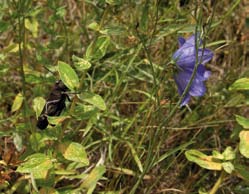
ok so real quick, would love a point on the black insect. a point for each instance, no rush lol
(55, 103)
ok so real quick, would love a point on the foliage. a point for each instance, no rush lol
(123, 130)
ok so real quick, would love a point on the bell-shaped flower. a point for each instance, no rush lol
(185, 58)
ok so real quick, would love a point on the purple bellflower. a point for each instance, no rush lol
(185, 59)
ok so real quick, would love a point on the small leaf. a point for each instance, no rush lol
(244, 122)
(244, 143)
(203, 160)
(74, 152)
(36, 164)
(38, 104)
(94, 26)
(240, 84)
(92, 179)
(93, 99)
(217, 155)
(57, 120)
(228, 167)
(61, 11)
(17, 141)
(68, 76)
(17, 102)
(32, 26)
(80, 63)
(229, 153)
(97, 49)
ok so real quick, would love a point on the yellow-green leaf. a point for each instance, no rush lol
(240, 84)
(244, 122)
(204, 161)
(92, 179)
(228, 167)
(93, 99)
(32, 25)
(37, 164)
(244, 143)
(17, 102)
(80, 63)
(74, 152)
(57, 120)
(229, 153)
(38, 104)
(98, 48)
(68, 76)
(94, 26)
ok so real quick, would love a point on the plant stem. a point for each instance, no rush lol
(218, 182)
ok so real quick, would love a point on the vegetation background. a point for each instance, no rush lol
(121, 132)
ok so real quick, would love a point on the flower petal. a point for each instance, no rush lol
(191, 40)
(206, 57)
(182, 79)
(181, 41)
(185, 56)
(202, 73)
(197, 88)
(185, 100)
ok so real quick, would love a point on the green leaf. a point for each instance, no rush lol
(217, 155)
(80, 63)
(92, 179)
(17, 102)
(244, 143)
(244, 122)
(84, 112)
(93, 99)
(68, 76)
(61, 11)
(204, 161)
(74, 152)
(240, 84)
(38, 139)
(229, 153)
(37, 164)
(38, 104)
(94, 26)
(228, 167)
(57, 120)
(97, 49)
(135, 156)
